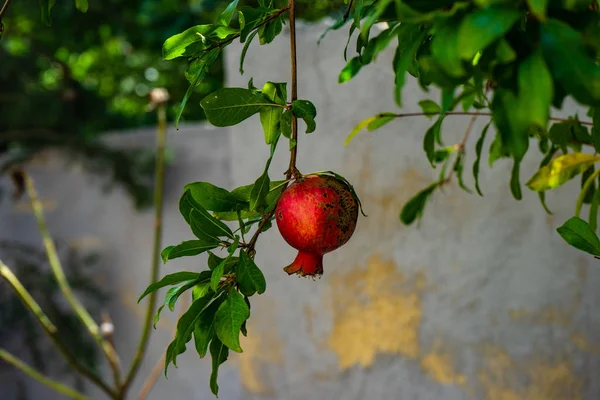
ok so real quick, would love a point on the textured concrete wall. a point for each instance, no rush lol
(482, 301)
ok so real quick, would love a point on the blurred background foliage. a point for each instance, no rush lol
(67, 84)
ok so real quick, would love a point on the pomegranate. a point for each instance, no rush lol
(315, 215)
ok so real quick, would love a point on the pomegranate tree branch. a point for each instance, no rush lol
(4, 9)
(476, 113)
(159, 180)
(50, 328)
(38, 376)
(292, 170)
(59, 274)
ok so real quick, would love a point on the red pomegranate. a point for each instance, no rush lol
(316, 214)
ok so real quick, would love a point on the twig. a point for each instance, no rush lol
(421, 114)
(4, 9)
(49, 327)
(292, 170)
(159, 180)
(65, 288)
(461, 146)
(34, 374)
(347, 13)
(158, 367)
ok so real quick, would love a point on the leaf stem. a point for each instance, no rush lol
(4, 9)
(461, 147)
(584, 190)
(49, 327)
(161, 138)
(34, 374)
(61, 279)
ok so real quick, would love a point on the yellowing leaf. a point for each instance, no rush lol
(560, 170)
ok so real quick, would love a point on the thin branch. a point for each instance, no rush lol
(347, 13)
(49, 327)
(461, 146)
(160, 364)
(292, 170)
(61, 279)
(4, 9)
(421, 114)
(159, 179)
(36, 375)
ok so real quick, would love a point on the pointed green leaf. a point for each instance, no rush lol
(410, 37)
(306, 110)
(413, 209)
(219, 353)
(168, 280)
(165, 253)
(580, 235)
(214, 198)
(482, 27)
(227, 14)
(429, 139)
(230, 106)
(259, 191)
(538, 8)
(250, 278)
(430, 108)
(204, 329)
(478, 148)
(515, 185)
(187, 322)
(245, 50)
(560, 170)
(285, 122)
(350, 70)
(216, 276)
(186, 43)
(202, 221)
(229, 319)
(269, 119)
(189, 248)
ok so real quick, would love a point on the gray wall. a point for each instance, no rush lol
(482, 301)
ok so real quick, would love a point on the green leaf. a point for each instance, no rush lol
(227, 14)
(229, 319)
(515, 185)
(171, 298)
(285, 121)
(482, 27)
(381, 120)
(276, 92)
(260, 190)
(538, 8)
(245, 50)
(165, 253)
(596, 128)
(249, 18)
(306, 110)
(188, 248)
(580, 235)
(46, 8)
(445, 48)
(214, 261)
(204, 62)
(570, 61)
(230, 106)
(168, 280)
(219, 353)
(186, 43)
(270, 30)
(205, 225)
(350, 70)
(216, 275)
(430, 108)
(410, 38)
(81, 5)
(594, 211)
(413, 209)
(204, 328)
(359, 127)
(536, 90)
(250, 278)
(560, 170)
(429, 139)
(478, 148)
(212, 197)
(458, 169)
(269, 116)
(187, 322)
(497, 150)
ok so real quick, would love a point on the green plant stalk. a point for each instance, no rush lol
(34, 374)
(159, 180)
(65, 288)
(49, 327)
(584, 190)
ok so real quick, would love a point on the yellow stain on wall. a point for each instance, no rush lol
(375, 311)
(263, 350)
(440, 367)
(583, 344)
(502, 378)
(544, 316)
